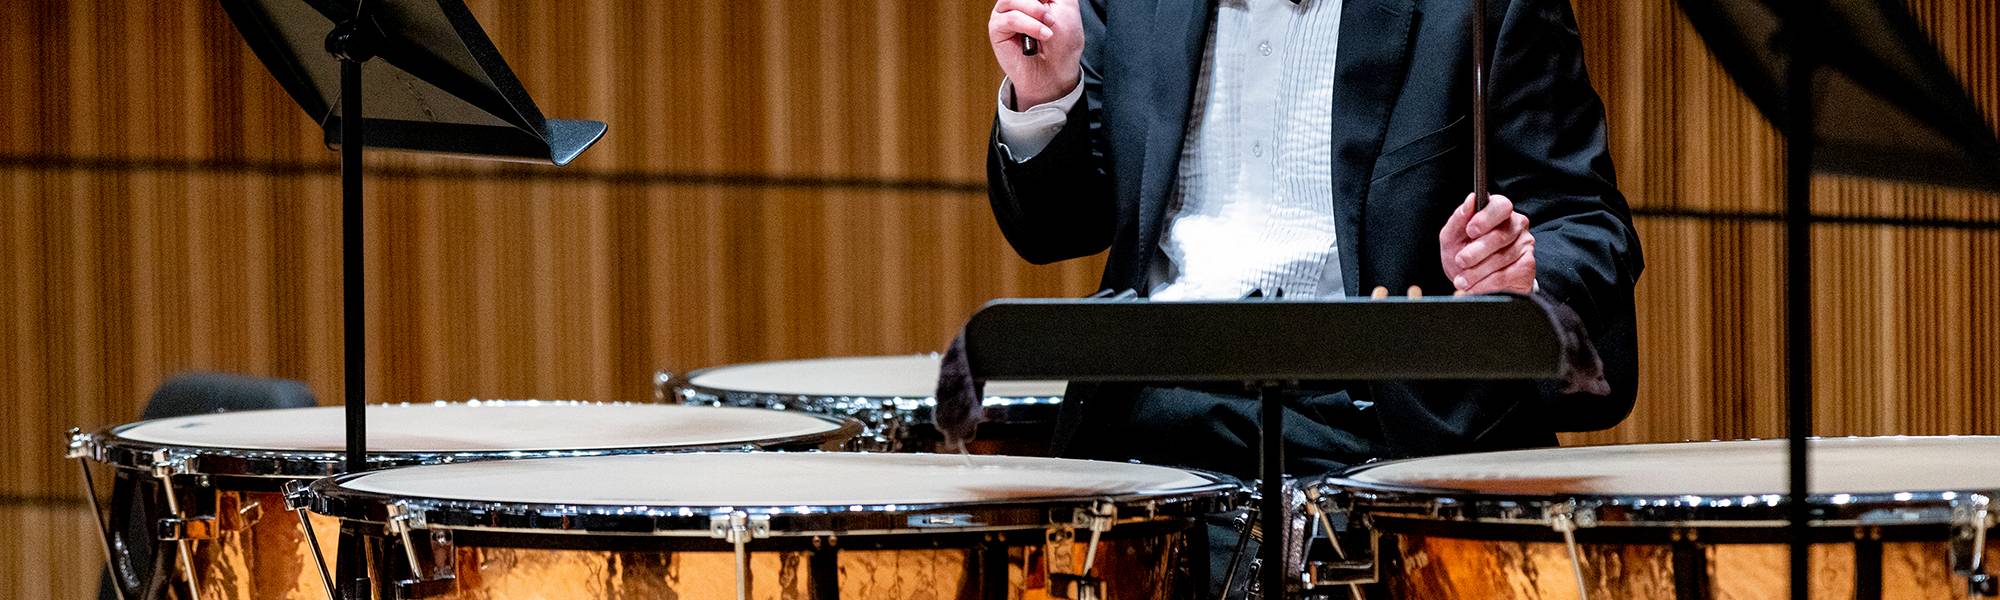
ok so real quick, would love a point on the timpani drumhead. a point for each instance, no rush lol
(776, 480)
(524, 426)
(1856, 466)
(912, 376)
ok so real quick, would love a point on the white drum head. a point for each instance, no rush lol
(1712, 469)
(775, 479)
(481, 427)
(911, 376)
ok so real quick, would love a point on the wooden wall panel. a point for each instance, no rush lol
(801, 179)
(477, 288)
(794, 89)
(48, 554)
(1904, 341)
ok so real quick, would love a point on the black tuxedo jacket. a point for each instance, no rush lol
(1402, 163)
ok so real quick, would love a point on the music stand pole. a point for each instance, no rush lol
(1799, 145)
(353, 300)
(1271, 509)
(349, 43)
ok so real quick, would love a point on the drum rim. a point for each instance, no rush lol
(108, 447)
(327, 497)
(1378, 501)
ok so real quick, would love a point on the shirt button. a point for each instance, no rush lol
(1264, 48)
(1257, 149)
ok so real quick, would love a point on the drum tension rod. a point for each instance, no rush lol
(665, 388)
(738, 528)
(1059, 550)
(1566, 518)
(81, 449)
(297, 499)
(1971, 518)
(428, 575)
(180, 528)
(1325, 507)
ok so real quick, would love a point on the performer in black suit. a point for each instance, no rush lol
(1318, 147)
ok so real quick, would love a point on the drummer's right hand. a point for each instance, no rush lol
(1053, 71)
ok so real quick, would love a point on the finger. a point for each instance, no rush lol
(1498, 210)
(1518, 277)
(1065, 8)
(1493, 241)
(1454, 227)
(1032, 8)
(1004, 26)
(1498, 261)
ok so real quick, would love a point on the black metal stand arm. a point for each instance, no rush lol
(452, 95)
(1271, 485)
(1799, 145)
(352, 44)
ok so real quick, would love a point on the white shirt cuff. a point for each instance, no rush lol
(1025, 133)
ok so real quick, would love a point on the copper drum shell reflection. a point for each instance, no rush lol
(260, 552)
(1425, 566)
(1142, 567)
(257, 550)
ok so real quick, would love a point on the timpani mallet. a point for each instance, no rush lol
(1480, 191)
(1031, 46)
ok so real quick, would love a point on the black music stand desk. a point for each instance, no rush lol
(1268, 344)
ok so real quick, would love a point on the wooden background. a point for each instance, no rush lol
(792, 179)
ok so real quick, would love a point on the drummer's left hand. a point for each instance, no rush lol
(1490, 251)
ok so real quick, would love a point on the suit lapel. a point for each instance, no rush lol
(1180, 32)
(1374, 52)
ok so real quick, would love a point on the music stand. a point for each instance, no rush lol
(1272, 344)
(1856, 89)
(439, 87)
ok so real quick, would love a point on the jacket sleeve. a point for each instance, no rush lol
(1550, 156)
(1058, 205)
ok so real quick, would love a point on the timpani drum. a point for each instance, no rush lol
(1896, 518)
(892, 396)
(206, 491)
(774, 526)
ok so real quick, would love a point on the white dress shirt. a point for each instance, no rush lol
(1253, 204)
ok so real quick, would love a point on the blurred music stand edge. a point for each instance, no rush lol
(1856, 89)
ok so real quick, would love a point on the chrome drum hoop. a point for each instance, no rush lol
(886, 421)
(108, 447)
(328, 497)
(1933, 509)
(1342, 494)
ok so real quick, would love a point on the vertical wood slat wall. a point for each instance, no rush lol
(1904, 328)
(800, 179)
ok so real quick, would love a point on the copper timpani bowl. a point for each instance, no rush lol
(1895, 517)
(778, 525)
(213, 484)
